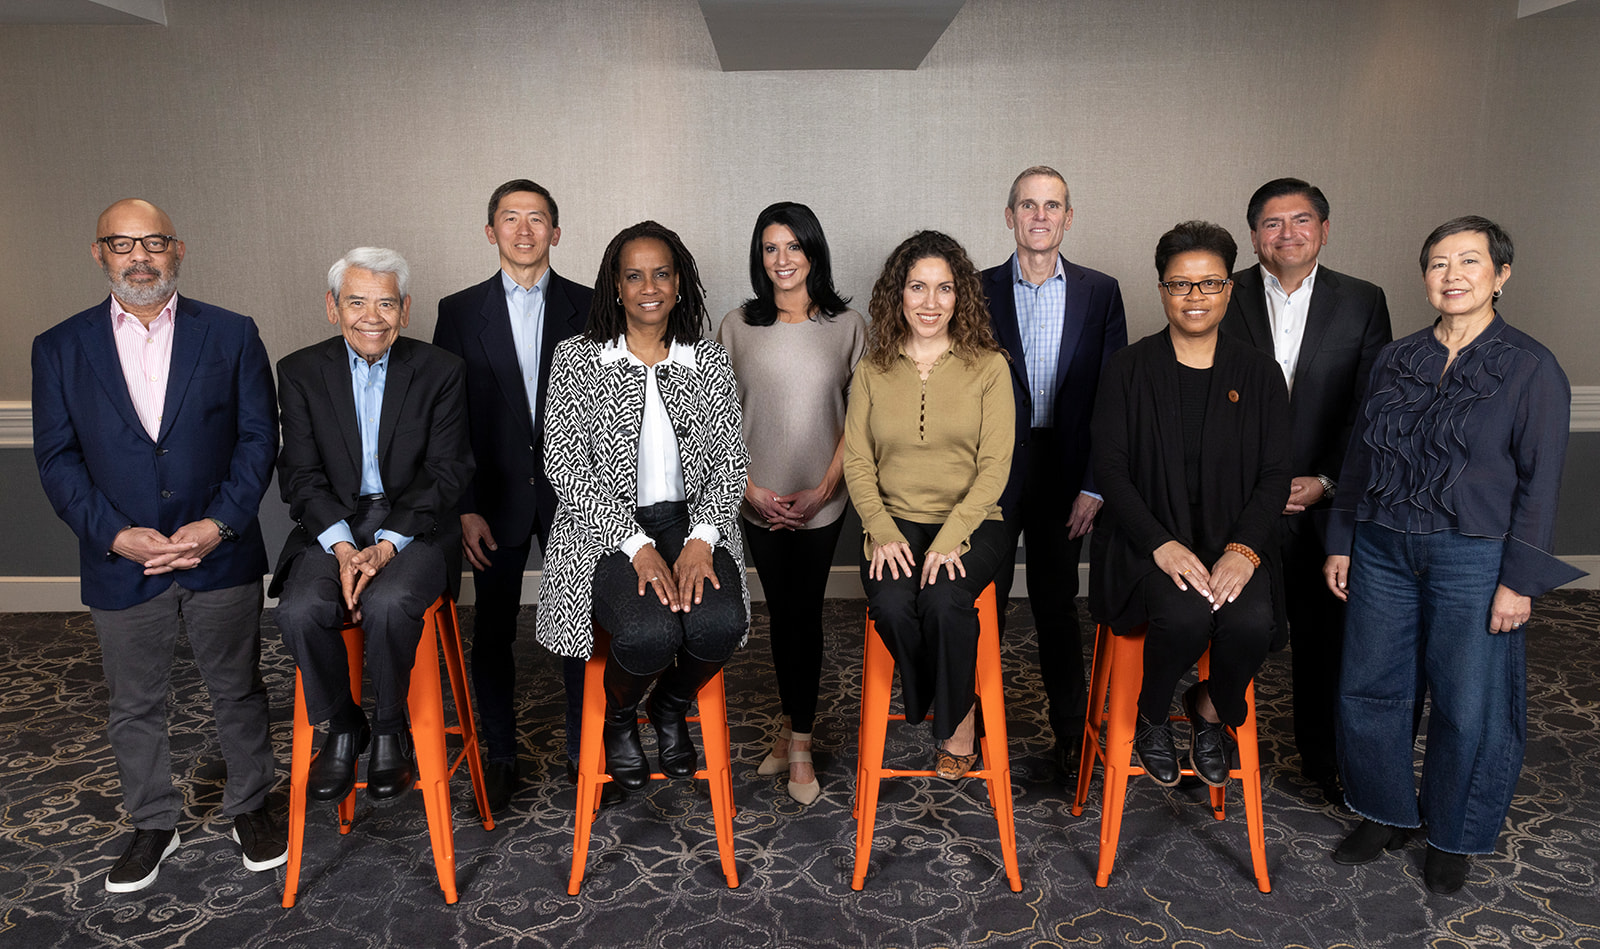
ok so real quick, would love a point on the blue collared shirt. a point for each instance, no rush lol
(1041, 312)
(527, 330)
(367, 381)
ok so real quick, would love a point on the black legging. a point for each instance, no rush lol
(793, 566)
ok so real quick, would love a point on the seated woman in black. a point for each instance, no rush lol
(1190, 450)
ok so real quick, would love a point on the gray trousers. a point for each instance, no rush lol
(311, 612)
(136, 647)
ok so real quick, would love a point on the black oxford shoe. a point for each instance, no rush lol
(1157, 755)
(389, 772)
(333, 770)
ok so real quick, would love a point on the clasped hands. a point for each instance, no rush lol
(786, 511)
(158, 553)
(1220, 585)
(896, 555)
(680, 585)
(357, 568)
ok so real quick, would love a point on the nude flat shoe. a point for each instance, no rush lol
(809, 792)
(776, 764)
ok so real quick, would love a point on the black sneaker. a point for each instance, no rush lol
(142, 860)
(261, 839)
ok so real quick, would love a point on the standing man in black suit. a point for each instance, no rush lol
(1325, 329)
(1060, 323)
(506, 329)
(374, 457)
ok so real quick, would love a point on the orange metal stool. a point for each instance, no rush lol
(877, 683)
(1114, 707)
(440, 634)
(718, 772)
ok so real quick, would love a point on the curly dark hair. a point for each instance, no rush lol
(686, 323)
(970, 335)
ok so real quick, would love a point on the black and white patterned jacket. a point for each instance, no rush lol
(591, 449)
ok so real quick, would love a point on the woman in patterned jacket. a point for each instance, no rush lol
(643, 448)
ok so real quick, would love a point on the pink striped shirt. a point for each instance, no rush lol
(146, 355)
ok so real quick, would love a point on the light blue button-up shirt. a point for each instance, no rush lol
(1041, 312)
(527, 330)
(367, 381)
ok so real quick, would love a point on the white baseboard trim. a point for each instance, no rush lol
(60, 594)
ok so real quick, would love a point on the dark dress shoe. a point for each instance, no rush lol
(389, 772)
(1368, 842)
(333, 770)
(500, 782)
(610, 793)
(668, 710)
(1152, 742)
(1208, 742)
(1444, 872)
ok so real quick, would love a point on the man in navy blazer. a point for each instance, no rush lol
(509, 500)
(1325, 330)
(155, 429)
(374, 456)
(1060, 323)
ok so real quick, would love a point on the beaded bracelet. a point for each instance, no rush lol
(1246, 553)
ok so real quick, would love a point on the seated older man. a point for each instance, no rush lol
(374, 457)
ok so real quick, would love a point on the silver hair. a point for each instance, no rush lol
(375, 259)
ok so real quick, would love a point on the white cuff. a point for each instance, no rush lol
(634, 544)
(706, 533)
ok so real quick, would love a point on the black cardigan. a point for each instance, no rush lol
(1138, 467)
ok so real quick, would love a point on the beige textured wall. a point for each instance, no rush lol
(278, 134)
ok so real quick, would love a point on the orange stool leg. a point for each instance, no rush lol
(718, 773)
(426, 703)
(455, 665)
(591, 757)
(1094, 716)
(877, 680)
(299, 771)
(1249, 775)
(996, 753)
(1125, 676)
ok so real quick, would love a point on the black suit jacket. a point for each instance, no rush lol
(423, 456)
(1346, 326)
(509, 490)
(1094, 327)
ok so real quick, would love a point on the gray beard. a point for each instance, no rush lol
(137, 294)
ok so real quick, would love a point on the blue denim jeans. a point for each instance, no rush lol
(1419, 614)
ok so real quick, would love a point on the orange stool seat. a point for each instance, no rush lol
(877, 683)
(1114, 685)
(425, 702)
(592, 776)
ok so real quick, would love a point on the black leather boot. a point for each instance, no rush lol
(624, 754)
(669, 707)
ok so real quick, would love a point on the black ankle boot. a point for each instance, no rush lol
(625, 760)
(668, 709)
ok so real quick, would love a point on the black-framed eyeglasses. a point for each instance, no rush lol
(1181, 288)
(123, 244)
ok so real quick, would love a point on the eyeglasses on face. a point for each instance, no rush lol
(123, 244)
(1180, 288)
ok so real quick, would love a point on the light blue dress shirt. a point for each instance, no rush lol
(527, 330)
(367, 380)
(1041, 312)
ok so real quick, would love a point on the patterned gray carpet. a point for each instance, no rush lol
(1182, 879)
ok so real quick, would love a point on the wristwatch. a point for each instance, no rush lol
(223, 530)
(1329, 488)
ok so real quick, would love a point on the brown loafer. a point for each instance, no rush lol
(951, 767)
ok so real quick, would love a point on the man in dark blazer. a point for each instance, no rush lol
(154, 428)
(1060, 323)
(374, 456)
(506, 329)
(1325, 329)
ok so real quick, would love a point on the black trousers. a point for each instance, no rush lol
(498, 593)
(645, 636)
(311, 612)
(793, 566)
(1316, 630)
(1041, 516)
(932, 631)
(1182, 625)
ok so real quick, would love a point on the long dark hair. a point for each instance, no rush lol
(762, 309)
(685, 324)
(969, 330)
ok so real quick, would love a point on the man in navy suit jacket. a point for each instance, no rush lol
(1325, 330)
(509, 500)
(1060, 323)
(155, 429)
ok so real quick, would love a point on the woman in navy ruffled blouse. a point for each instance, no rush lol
(1439, 541)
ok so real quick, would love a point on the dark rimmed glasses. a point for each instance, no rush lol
(1181, 288)
(123, 244)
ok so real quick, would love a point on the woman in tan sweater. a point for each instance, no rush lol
(927, 449)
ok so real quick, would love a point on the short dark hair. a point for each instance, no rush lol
(762, 309)
(685, 324)
(1500, 249)
(1196, 235)
(523, 184)
(1281, 188)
